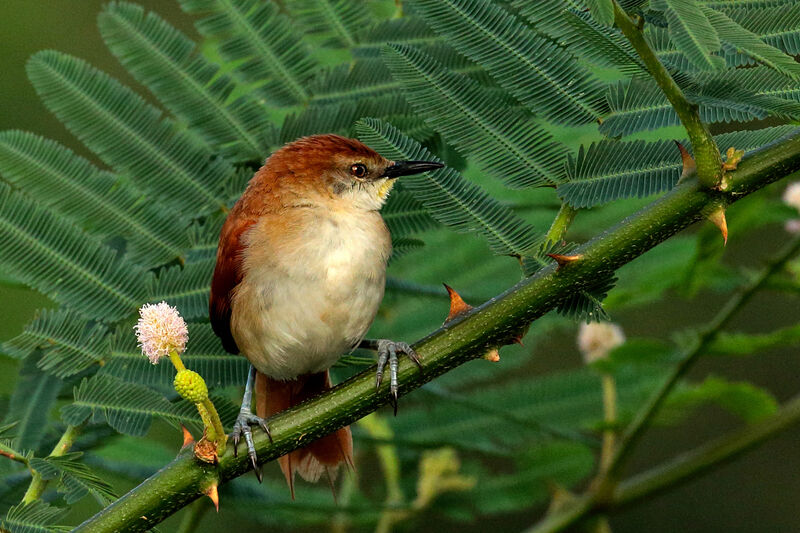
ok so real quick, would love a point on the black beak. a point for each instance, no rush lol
(404, 168)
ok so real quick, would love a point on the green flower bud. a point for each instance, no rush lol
(191, 386)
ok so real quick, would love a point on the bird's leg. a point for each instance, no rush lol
(245, 419)
(387, 353)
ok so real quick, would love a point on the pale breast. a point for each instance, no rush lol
(309, 294)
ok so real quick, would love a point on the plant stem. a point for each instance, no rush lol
(38, 485)
(703, 340)
(706, 153)
(610, 419)
(606, 483)
(461, 340)
(214, 423)
(565, 216)
(703, 458)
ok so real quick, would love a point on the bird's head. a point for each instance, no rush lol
(331, 168)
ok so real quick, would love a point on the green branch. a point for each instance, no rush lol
(37, 486)
(706, 153)
(466, 338)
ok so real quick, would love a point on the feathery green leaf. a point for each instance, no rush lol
(267, 50)
(450, 198)
(129, 134)
(34, 517)
(167, 62)
(44, 251)
(76, 479)
(610, 170)
(602, 11)
(543, 76)
(405, 215)
(204, 354)
(339, 22)
(31, 403)
(185, 287)
(752, 45)
(501, 137)
(69, 342)
(692, 32)
(98, 201)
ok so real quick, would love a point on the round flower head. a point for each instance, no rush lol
(160, 329)
(597, 339)
(791, 196)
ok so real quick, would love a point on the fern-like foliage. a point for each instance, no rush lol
(262, 42)
(449, 198)
(405, 215)
(339, 22)
(610, 170)
(185, 287)
(98, 201)
(129, 134)
(129, 407)
(543, 76)
(50, 254)
(33, 398)
(692, 32)
(639, 104)
(76, 479)
(506, 142)
(166, 61)
(69, 342)
(34, 517)
(204, 355)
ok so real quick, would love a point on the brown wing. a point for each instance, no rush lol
(227, 275)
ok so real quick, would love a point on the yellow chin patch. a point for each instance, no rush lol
(385, 188)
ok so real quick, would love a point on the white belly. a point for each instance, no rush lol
(300, 311)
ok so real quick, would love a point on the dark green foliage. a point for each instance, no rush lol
(338, 22)
(189, 85)
(98, 201)
(515, 97)
(449, 198)
(544, 77)
(31, 403)
(267, 50)
(36, 517)
(52, 255)
(68, 342)
(204, 354)
(609, 170)
(505, 143)
(75, 479)
(129, 134)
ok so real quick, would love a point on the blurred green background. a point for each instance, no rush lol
(758, 492)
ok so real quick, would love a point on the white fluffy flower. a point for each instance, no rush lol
(791, 196)
(160, 329)
(792, 226)
(597, 339)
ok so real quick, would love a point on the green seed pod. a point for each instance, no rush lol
(191, 386)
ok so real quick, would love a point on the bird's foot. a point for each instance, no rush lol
(242, 427)
(387, 353)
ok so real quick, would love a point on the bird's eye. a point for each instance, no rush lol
(358, 170)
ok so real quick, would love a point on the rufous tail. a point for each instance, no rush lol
(320, 457)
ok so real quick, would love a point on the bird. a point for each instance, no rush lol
(300, 273)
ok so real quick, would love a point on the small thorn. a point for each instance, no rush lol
(518, 340)
(213, 494)
(689, 166)
(564, 260)
(717, 217)
(492, 355)
(457, 304)
(187, 437)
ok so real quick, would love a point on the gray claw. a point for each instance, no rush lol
(242, 427)
(387, 353)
